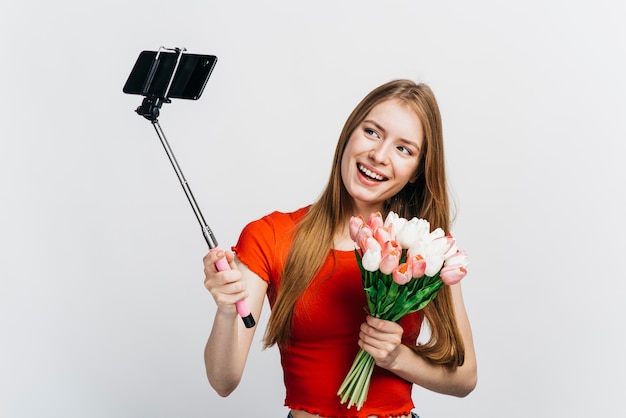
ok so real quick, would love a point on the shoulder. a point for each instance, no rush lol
(264, 243)
(279, 221)
(271, 228)
(294, 216)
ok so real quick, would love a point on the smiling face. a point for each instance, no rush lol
(382, 155)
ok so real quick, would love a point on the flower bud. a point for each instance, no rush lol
(413, 231)
(371, 259)
(391, 253)
(401, 274)
(356, 223)
(452, 274)
(383, 235)
(417, 266)
(375, 220)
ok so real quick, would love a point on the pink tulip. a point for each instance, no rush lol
(375, 221)
(401, 274)
(391, 253)
(370, 248)
(455, 268)
(383, 234)
(370, 244)
(356, 223)
(417, 266)
(452, 274)
(362, 236)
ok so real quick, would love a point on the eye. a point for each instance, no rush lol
(404, 150)
(371, 132)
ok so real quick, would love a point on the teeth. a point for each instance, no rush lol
(370, 174)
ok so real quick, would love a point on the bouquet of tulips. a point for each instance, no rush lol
(403, 265)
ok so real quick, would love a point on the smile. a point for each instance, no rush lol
(370, 174)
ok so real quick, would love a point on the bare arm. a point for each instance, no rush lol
(229, 342)
(382, 339)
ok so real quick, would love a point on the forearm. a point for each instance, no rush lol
(229, 342)
(225, 355)
(459, 381)
(411, 366)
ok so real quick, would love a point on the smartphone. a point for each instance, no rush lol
(151, 75)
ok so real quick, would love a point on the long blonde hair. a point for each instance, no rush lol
(426, 198)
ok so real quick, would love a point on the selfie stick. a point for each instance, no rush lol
(150, 110)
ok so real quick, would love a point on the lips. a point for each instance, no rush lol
(370, 174)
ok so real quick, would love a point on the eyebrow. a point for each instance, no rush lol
(380, 128)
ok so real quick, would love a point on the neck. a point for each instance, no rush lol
(366, 210)
(342, 240)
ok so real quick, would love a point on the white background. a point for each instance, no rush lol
(102, 308)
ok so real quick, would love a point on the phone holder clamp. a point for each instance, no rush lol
(151, 104)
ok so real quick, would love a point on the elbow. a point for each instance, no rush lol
(466, 386)
(224, 389)
(224, 392)
(465, 389)
(223, 383)
(224, 380)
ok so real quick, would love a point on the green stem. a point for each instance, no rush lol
(355, 386)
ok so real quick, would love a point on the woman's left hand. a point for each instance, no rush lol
(381, 339)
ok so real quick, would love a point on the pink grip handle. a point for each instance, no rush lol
(241, 306)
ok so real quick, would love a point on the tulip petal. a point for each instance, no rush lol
(371, 260)
(434, 263)
(356, 223)
(383, 234)
(418, 266)
(375, 220)
(459, 258)
(362, 236)
(390, 257)
(401, 274)
(452, 274)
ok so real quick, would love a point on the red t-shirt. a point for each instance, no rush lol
(326, 325)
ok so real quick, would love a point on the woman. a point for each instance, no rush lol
(389, 157)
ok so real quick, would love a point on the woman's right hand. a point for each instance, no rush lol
(226, 287)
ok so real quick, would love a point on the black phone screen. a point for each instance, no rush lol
(150, 78)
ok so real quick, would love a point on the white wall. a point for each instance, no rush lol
(102, 308)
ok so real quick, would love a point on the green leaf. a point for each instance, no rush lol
(372, 298)
(399, 307)
(381, 292)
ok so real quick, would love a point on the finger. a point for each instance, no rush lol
(219, 279)
(234, 291)
(223, 299)
(228, 292)
(232, 260)
(212, 257)
(373, 338)
(385, 326)
(381, 339)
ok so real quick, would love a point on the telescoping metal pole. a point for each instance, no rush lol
(222, 264)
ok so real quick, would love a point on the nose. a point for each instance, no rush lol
(380, 152)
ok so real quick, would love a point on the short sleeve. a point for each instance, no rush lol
(264, 244)
(255, 245)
